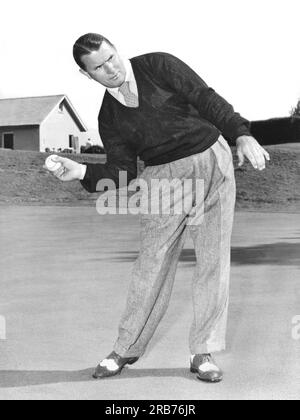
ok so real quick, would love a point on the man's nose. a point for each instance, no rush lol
(109, 68)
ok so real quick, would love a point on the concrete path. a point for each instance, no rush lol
(64, 274)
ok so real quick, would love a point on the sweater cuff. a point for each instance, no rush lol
(242, 130)
(242, 133)
(87, 181)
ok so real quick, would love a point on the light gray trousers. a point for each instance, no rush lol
(162, 240)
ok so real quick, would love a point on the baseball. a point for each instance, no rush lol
(51, 165)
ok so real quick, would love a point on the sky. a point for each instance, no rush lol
(247, 50)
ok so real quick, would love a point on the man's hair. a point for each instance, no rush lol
(86, 44)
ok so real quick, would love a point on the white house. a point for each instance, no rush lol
(39, 123)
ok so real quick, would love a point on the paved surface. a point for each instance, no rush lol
(63, 279)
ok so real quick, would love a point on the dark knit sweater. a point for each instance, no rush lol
(178, 116)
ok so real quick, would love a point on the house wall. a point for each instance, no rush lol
(56, 129)
(25, 138)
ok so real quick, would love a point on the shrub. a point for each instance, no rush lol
(94, 150)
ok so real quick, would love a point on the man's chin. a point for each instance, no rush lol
(118, 81)
(112, 84)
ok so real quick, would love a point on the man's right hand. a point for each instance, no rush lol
(69, 170)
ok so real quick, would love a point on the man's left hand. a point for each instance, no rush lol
(248, 147)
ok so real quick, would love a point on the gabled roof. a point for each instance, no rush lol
(33, 111)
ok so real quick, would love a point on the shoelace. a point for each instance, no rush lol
(206, 358)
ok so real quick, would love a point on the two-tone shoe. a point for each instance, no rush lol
(113, 365)
(206, 368)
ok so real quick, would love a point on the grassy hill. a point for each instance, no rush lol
(24, 181)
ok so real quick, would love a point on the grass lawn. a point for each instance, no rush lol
(24, 181)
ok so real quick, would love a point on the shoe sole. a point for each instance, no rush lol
(108, 376)
(130, 362)
(193, 370)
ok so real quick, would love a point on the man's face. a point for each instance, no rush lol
(105, 66)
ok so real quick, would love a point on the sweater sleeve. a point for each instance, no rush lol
(210, 105)
(119, 157)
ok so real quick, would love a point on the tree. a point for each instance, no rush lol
(295, 112)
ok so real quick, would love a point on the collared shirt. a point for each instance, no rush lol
(129, 78)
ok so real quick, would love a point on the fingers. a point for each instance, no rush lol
(69, 170)
(65, 162)
(258, 159)
(60, 159)
(241, 158)
(256, 154)
(60, 172)
(260, 156)
(266, 154)
(254, 160)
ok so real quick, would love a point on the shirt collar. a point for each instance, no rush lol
(129, 75)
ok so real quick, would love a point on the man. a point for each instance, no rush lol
(158, 108)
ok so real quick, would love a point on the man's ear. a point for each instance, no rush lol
(85, 73)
